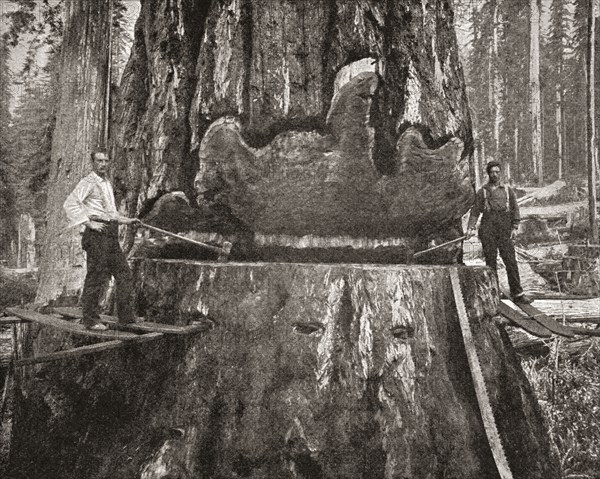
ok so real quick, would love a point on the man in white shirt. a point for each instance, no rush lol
(91, 207)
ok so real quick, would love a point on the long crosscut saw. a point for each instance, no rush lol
(483, 400)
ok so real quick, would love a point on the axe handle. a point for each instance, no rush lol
(439, 246)
(183, 238)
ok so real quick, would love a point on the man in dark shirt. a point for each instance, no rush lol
(499, 226)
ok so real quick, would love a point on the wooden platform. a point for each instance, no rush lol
(116, 339)
(140, 326)
(68, 326)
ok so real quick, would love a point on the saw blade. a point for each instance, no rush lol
(489, 423)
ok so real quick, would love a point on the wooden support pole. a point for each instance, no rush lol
(84, 350)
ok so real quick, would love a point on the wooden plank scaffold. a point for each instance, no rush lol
(117, 337)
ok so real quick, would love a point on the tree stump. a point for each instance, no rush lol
(310, 371)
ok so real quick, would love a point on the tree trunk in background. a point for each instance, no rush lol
(265, 75)
(79, 129)
(496, 87)
(534, 80)
(591, 118)
(559, 130)
(26, 242)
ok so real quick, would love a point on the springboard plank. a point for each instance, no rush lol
(139, 327)
(68, 326)
(88, 349)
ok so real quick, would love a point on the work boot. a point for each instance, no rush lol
(522, 299)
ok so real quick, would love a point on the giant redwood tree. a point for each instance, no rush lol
(313, 130)
(344, 122)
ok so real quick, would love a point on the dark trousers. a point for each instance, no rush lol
(494, 234)
(105, 259)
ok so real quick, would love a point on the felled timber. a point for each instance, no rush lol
(551, 212)
(569, 308)
(330, 371)
(543, 194)
(582, 331)
(583, 319)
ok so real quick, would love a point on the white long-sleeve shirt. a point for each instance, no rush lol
(93, 196)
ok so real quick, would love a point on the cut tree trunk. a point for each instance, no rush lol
(79, 129)
(311, 371)
(340, 125)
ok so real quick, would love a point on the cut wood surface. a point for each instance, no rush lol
(88, 349)
(140, 326)
(68, 326)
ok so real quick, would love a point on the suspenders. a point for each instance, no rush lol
(486, 200)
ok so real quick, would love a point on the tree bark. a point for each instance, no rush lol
(328, 371)
(79, 129)
(277, 71)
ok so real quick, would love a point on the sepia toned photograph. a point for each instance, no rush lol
(299, 239)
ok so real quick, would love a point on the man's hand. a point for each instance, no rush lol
(128, 221)
(470, 233)
(95, 225)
